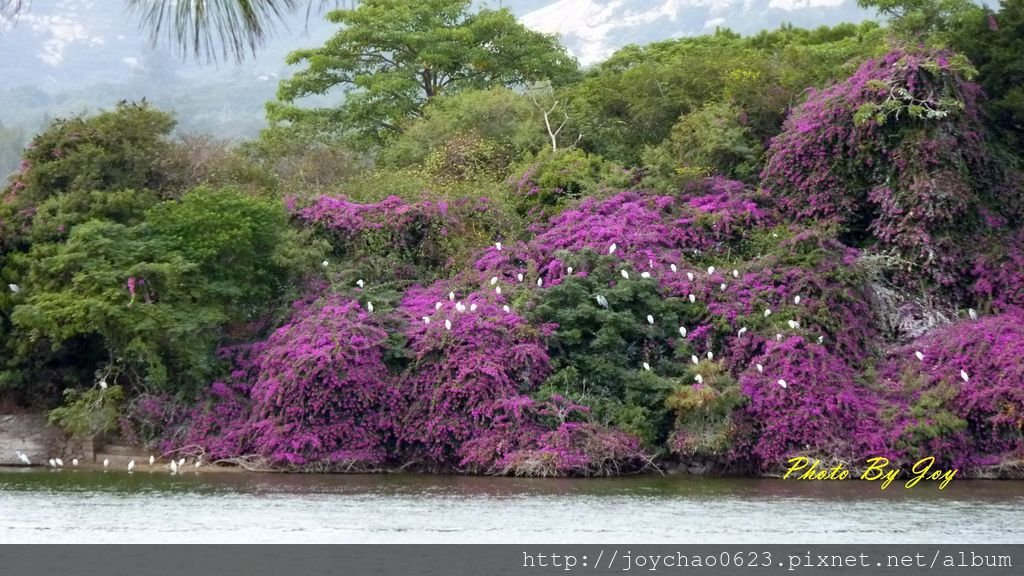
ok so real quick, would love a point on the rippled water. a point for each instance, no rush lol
(115, 507)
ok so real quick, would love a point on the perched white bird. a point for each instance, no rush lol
(106, 462)
(447, 324)
(647, 366)
(793, 324)
(369, 307)
(624, 274)
(694, 359)
(778, 337)
(181, 462)
(426, 319)
(689, 276)
(710, 355)
(735, 273)
(722, 286)
(460, 307)
(920, 355)
(540, 282)
(964, 376)
(767, 312)
(783, 383)
(612, 248)
(497, 245)
(494, 280)
(14, 288)
(796, 299)
(519, 276)
(699, 379)
(711, 270)
(972, 313)
(103, 384)
(197, 463)
(325, 263)
(650, 263)
(601, 301)
(650, 319)
(74, 461)
(569, 270)
(506, 308)
(497, 290)
(673, 268)
(682, 331)
(131, 465)
(645, 274)
(821, 339)
(52, 463)
(472, 307)
(174, 467)
(152, 460)
(451, 295)
(760, 369)
(24, 458)
(60, 463)
(742, 331)
(360, 283)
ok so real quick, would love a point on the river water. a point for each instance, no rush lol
(78, 506)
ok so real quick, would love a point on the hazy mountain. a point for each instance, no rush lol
(68, 56)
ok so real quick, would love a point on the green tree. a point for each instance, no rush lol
(392, 57)
(916, 18)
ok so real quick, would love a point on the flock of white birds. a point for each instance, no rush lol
(175, 466)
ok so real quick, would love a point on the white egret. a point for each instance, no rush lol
(650, 263)
(624, 274)
(673, 268)
(682, 331)
(369, 307)
(783, 383)
(778, 337)
(920, 355)
(519, 276)
(360, 283)
(821, 339)
(497, 290)
(74, 461)
(964, 376)
(710, 355)
(711, 270)
(722, 286)
(694, 359)
(325, 263)
(796, 299)
(647, 366)
(437, 306)
(152, 460)
(699, 379)
(174, 467)
(645, 274)
(447, 324)
(24, 458)
(972, 313)
(459, 307)
(692, 298)
(601, 301)
(451, 296)
(742, 331)
(689, 276)
(793, 324)
(650, 319)
(60, 463)
(506, 308)
(181, 462)
(52, 463)
(472, 307)
(426, 319)
(540, 282)
(569, 270)
(612, 248)
(767, 312)
(197, 462)
(497, 245)
(760, 368)
(14, 288)
(494, 280)
(131, 465)
(106, 462)
(735, 273)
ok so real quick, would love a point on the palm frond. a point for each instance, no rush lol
(213, 28)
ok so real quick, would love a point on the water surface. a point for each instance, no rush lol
(78, 506)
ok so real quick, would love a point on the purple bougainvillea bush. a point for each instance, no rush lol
(960, 395)
(315, 395)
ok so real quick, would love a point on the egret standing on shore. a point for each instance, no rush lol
(24, 458)
(131, 465)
